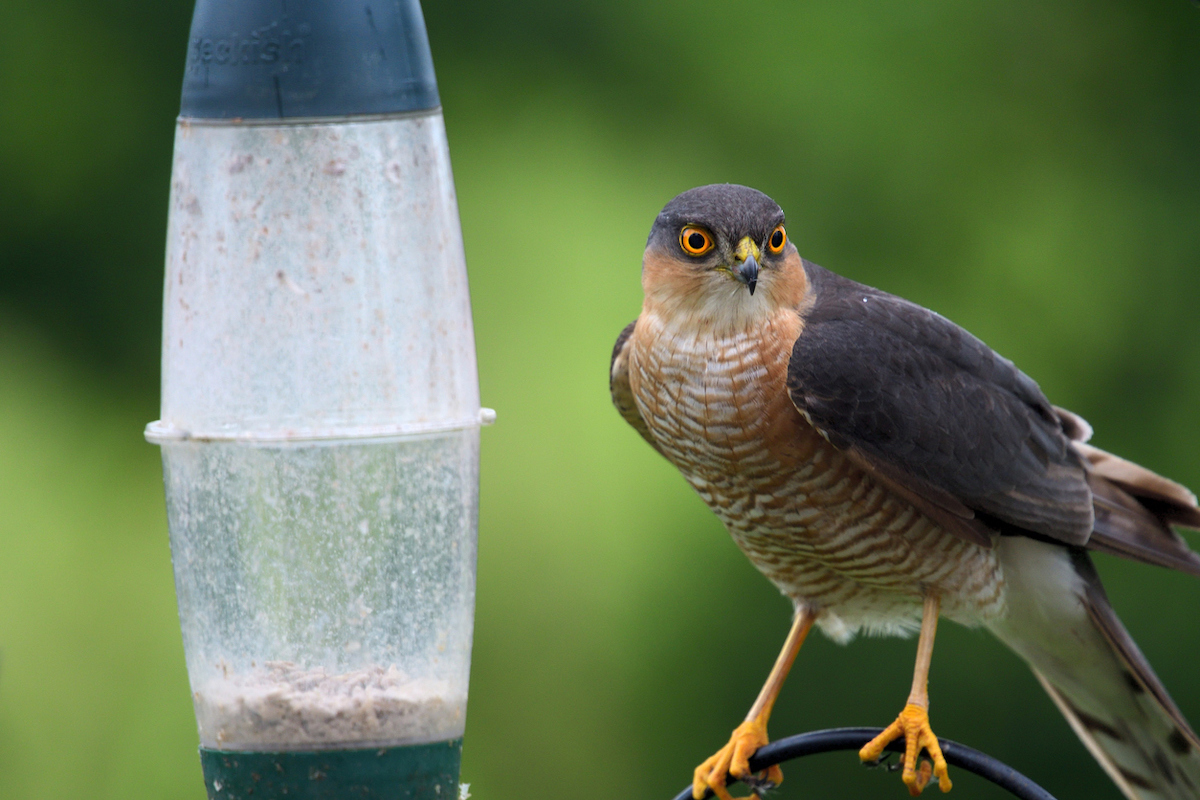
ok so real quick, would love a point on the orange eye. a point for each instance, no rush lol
(694, 241)
(778, 239)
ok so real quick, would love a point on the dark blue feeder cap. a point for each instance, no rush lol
(274, 59)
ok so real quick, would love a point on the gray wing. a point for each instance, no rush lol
(936, 414)
(944, 421)
(618, 386)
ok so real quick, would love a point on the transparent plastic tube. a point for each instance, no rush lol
(320, 432)
(326, 589)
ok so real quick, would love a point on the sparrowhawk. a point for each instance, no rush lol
(883, 467)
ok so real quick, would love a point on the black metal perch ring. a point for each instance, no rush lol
(958, 755)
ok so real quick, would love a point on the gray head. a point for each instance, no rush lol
(724, 229)
(726, 209)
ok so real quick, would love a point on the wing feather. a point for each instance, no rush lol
(1177, 502)
(936, 411)
(938, 417)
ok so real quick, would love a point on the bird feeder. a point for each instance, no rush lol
(320, 404)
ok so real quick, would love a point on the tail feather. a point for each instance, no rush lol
(1135, 507)
(1129, 526)
(1139, 675)
(1143, 483)
(1129, 780)
(1061, 623)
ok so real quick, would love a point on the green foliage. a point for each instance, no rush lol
(1030, 170)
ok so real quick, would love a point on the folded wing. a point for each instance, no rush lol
(941, 419)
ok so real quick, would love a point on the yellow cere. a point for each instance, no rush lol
(747, 248)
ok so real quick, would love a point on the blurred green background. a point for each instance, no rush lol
(1030, 170)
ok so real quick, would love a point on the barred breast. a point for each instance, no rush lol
(826, 534)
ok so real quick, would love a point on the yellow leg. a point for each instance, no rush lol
(913, 722)
(733, 759)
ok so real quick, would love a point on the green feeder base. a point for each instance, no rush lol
(416, 772)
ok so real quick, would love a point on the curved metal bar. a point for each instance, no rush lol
(958, 755)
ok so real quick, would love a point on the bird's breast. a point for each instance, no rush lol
(718, 403)
(822, 530)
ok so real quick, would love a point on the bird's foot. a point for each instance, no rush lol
(913, 725)
(734, 760)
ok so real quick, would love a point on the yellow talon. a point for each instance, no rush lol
(913, 725)
(913, 722)
(734, 759)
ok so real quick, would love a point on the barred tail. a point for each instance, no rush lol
(1060, 621)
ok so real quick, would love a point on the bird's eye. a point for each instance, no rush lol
(778, 239)
(694, 241)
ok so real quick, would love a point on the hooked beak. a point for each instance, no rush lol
(745, 267)
(747, 273)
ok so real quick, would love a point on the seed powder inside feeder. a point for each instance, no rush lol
(281, 706)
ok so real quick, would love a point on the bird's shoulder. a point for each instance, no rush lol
(843, 313)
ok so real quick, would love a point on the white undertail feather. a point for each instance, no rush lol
(1061, 624)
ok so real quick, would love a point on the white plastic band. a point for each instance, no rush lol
(159, 433)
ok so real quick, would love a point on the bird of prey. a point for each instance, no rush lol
(883, 467)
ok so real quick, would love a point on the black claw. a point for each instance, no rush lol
(884, 763)
(758, 785)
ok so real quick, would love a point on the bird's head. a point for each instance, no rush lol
(720, 254)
